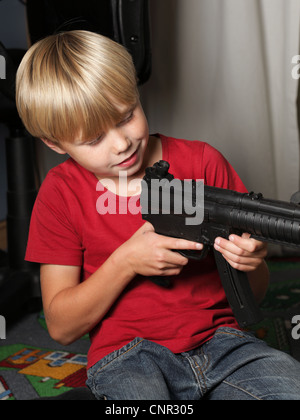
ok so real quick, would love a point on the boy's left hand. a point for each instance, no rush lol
(242, 252)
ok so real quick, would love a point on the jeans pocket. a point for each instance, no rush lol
(109, 360)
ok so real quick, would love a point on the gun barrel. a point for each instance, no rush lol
(233, 212)
(267, 220)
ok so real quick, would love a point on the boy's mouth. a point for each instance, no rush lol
(129, 161)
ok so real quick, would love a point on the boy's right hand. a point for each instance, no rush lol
(149, 254)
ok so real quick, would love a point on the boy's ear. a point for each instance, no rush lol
(54, 146)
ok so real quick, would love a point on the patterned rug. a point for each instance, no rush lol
(29, 371)
(48, 372)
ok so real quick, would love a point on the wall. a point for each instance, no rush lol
(222, 74)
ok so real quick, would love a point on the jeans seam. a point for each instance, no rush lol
(200, 371)
(204, 367)
(192, 362)
(243, 390)
(131, 348)
(229, 333)
(202, 376)
(206, 358)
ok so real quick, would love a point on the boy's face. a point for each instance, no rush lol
(121, 148)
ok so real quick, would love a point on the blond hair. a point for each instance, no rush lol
(72, 84)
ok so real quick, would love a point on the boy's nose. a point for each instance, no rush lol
(122, 143)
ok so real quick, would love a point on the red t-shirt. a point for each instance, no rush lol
(67, 229)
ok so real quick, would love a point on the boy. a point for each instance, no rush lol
(77, 91)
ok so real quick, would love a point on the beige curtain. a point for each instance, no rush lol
(222, 73)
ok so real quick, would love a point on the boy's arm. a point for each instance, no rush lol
(73, 308)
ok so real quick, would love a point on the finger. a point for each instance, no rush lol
(169, 259)
(229, 248)
(171, 264)
(246, 235)
(182, 244)
(176, 259)
(172, 243)
(239, 258)
(247, 243)
(241, 245)
(170, 272)
(251, 264)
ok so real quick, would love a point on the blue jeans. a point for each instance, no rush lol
(233, 365)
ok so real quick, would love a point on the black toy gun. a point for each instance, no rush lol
(220, 213)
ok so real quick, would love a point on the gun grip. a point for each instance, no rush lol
(164, 282)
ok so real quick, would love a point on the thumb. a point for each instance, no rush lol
(246, 236)
(147, 227)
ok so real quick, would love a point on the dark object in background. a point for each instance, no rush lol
(19, 280)
(125, 21)
(21, 185)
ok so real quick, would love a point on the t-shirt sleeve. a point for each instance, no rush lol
(218, 172)
(52, 236)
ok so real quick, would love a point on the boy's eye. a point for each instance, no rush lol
(96, 141)
(127, 118)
